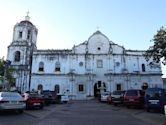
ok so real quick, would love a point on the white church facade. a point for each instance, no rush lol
(95, 65)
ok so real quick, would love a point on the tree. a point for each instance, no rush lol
(6, 71)
(158, 50)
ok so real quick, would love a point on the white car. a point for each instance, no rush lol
(104, 96)
(11, 101)
(64, 98)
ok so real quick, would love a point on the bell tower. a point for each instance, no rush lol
(20, 52)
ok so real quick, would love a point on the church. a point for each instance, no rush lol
(84, 71)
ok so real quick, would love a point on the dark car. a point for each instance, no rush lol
(54, 97)
(155, 98)
(134, 97)
(46, 94)
(33, 100)
(117, 97)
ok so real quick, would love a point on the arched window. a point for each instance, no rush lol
(57, 88)
(40, 87)
(57, 67)
(41, 67)
(17, 56)
(29, 34)
(143, 67)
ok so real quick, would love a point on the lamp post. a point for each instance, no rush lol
(127, 80)
(72, 79)
(110, 79)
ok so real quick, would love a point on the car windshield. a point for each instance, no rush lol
(34, 95)
(117, 92)
(46, 92)
(105, 93)
(132, 93)
(10, 94)
(156, 93)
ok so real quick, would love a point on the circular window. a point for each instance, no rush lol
(117, 63)
(81, 63)
(98, 48)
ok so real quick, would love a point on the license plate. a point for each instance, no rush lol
(153, 101)
(36, 103)
(14, 102)
(131, 100)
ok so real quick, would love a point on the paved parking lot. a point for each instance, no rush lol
(83, 113)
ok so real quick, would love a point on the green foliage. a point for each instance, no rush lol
(9, 76)
(2, 67)
(8, 71)
(158, 50)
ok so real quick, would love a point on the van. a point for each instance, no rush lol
(117, 97)
(155, 98)
(134, 97)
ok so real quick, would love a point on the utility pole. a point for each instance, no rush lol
(30, 64)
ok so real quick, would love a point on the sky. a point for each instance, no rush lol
(64, 23)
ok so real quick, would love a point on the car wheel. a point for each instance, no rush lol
(27, 107)
(147, 109)
(128, 106)
(41, 107)
(64, 102)
(115, 104)
(20, 111)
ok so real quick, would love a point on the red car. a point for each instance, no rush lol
(109, 99)
(33, 100)
(134, 97)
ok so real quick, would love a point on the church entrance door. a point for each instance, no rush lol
(98, 88)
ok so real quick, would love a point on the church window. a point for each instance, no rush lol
(20, 34)
(99, 64)
(117, 63)
(118, 87)
(143, 67)
(41, 67)
(57, 67)
(28, 35)
(80, 88)
(40, 87)
(17, 56)
(57, 88)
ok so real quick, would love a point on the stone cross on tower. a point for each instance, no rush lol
(27, 16)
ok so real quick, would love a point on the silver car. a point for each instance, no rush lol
(11, 101)
(104, 96)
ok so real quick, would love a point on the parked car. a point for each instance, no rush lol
(155, 98)
(117, 97)
(46, 94)
(54, 97)
(103, 96)
(33, 100)
(62, 98)
(11, 101)
(109, 99)
(134, 97)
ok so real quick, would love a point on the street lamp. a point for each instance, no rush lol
(90, 79)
